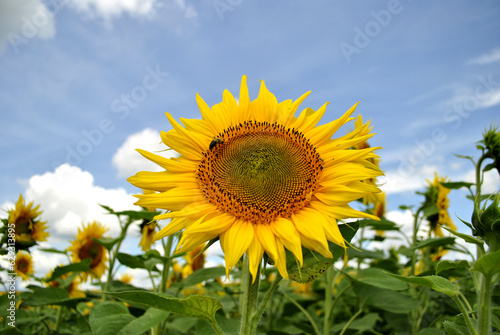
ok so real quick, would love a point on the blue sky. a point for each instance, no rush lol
(83, 82)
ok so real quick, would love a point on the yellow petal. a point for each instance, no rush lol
(289, 236)
(173, 227)
(281, 260)
(332, 231)
(212, 223)
(322, 134)
(265, 106)
(235, 242)
(312, 244)
(255, 252)
(195, 139)
(244, 101)
(267, 239)
(340, 212)
(161, 181)
(191, 211)
(310, 224)
(174, 199)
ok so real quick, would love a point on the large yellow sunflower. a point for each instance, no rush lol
(84, 247)
(23, 265)
(28, 227)
(259, 178)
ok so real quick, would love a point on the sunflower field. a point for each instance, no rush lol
(297, 210)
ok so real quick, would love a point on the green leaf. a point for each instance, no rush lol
(134, 215)
(195, 306)
(446, 265)
(109, 318)
(5, 303)
(465, 237)
(202, 275)
(430, 242)
(53, 250)
(133, 262)
(83, 266)
(458, 326)
(379, 278)
(364, 324)
(142, 324)
(488, 264)
(430, 211)
(457, 184)
(107, 242)
(431, 331)
(383, 224)
(50, 296)
(363, 253)
(436, 283)
(314, 264)
(392, 301)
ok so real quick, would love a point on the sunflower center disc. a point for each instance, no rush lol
(259, 171)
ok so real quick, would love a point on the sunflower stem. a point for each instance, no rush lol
(112, 257)
(260, 310)
(328, 300)
(484, 313)
(166, 265)
(167, 247)
(249, 302)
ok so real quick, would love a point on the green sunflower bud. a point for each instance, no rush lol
(491, 139)
(487, 223)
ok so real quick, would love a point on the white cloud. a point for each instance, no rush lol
(493, 56)
(491, 181)
(22, 20)
(128, 161)
(407, 178)
(68, 198)
(188, 10)
(111, 9)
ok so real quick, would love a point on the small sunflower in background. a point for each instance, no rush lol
(437, 195)
(84, 247)
(148, 231)
(259, 178)
(23, 266)
(126, 278)
(73, 287)
(195, 260)
(28, 228)
(147, 228)
(365, 129)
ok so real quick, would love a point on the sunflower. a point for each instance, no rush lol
(195, 259)
(126, 278)
(370, 198)
(23, 265)
(148, 230)
(28, 227)
(437, 195)
(258, 178)
(72, 288)
(84, 247)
